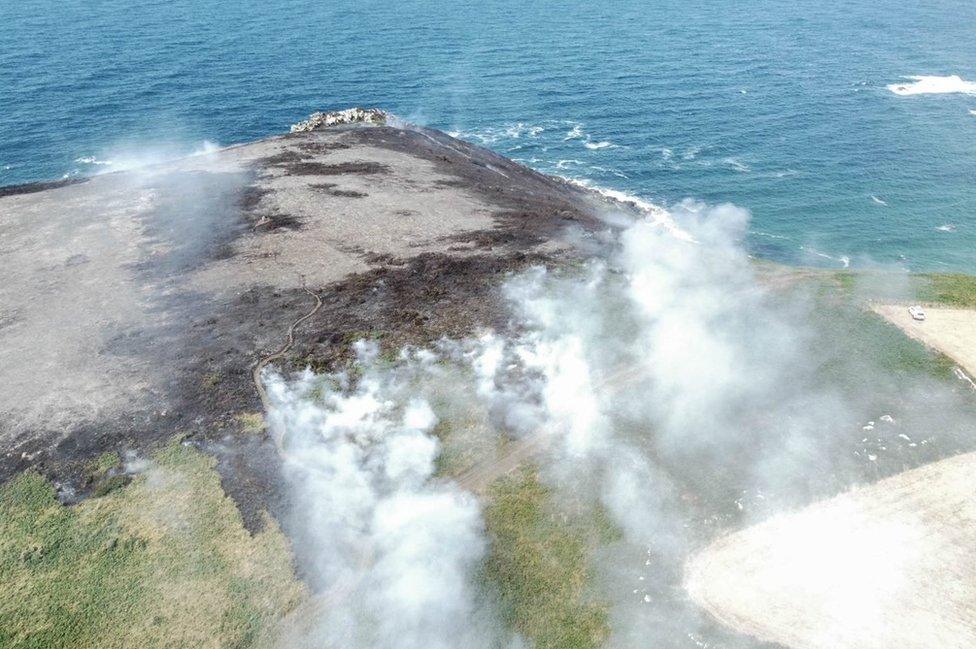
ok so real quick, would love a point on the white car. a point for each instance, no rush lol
(916, 312)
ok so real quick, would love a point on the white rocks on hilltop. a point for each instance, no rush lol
(348, 116)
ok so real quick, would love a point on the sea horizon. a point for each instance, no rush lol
(847, 134)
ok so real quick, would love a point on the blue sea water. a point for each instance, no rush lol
(778, 106)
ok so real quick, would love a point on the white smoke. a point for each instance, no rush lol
(144, 156)
(665, 383)
(394, 553)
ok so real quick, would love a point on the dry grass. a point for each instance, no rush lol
(163, 561)
(251, 423)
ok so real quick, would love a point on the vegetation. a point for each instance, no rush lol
(951, 289)
(162, 561)
(948, 289)
(858, 339)
(211, 380)
(540, 564)
(251, 423)
(867, 338)
(103, 474)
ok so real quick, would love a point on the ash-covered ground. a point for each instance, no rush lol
(136, 303)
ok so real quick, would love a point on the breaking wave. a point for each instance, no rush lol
(933, 85)
(843, 260)
(92, 160)
(658, 215)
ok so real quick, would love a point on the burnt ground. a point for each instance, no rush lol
(31, 188)
(405, 234)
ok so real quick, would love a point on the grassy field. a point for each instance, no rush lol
(841, 313)
(948, 289)
(163, 561)
(870, 340)
(540, 564)
(951, 289)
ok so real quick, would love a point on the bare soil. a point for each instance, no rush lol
(889, 565)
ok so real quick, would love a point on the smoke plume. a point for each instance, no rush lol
(665, 382)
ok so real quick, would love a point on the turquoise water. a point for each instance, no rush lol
(780, 107)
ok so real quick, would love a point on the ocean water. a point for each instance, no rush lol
(800, 111)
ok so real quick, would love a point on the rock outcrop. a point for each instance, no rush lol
(336, 118)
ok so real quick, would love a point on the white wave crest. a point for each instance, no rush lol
(562, 164)
(497, 134)
(599, 145)
(657, 214)
(843, 260)
(92, 160)
(947, 227)
(737, 165)
(878, 201)
(933, 85)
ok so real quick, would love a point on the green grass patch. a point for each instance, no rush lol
(858, 339)
(951, 289)
(103, 474)
(540, 563)
(103, 464)
(161, 562)
(948, 289)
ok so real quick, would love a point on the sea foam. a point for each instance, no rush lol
(933, 85)
(657, 214)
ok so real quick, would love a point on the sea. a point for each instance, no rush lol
(847, 129)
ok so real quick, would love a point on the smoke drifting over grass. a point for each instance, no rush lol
(663, 383)
(394, 551)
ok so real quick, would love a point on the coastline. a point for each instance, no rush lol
(145, 302)
(211, 254)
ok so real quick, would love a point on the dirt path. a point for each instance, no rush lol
(289, 342)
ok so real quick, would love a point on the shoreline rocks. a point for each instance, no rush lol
(336, 118)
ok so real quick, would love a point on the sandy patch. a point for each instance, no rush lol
(889, 565)
(950, 331)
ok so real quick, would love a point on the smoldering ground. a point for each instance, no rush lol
(664, 384)
(104, 346)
